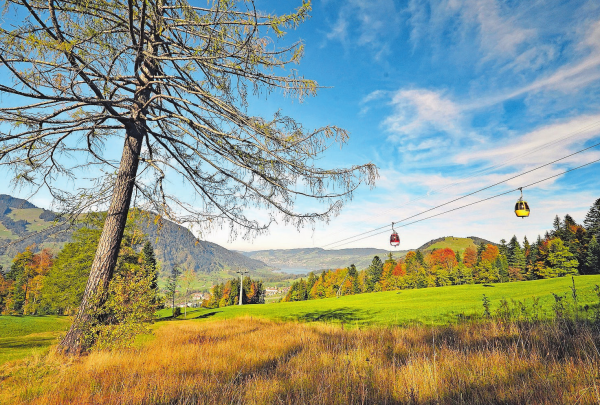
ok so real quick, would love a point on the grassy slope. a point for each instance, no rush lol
(453, 243)
(430, 305)
(21, 336)
(7, 234)
(31, 215)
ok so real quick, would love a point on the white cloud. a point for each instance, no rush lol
(419, 109)
(541, 145)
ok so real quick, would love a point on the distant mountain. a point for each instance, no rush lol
(320, 259)
(173, 244)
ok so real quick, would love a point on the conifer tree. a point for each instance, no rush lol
(503, 248)
(592, 264)
(556, 227)
(172, 284)
(353, 274)
(502, 265)
(526, 250)
(312, 279)
(480, 249)
(374, 272)
(150, 263)
(592, 221)
(568, 222)
(419, 257)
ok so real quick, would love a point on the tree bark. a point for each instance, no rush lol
(110, 239)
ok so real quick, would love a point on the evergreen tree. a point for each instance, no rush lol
(502, 265)
(592, 220)
(374, 273)
(519, 258)
(150, 267)
(353, 274)
(515, 255)
(480, 250)
(503, 248)
(592, 265)
(458, 257)
(556, 225)
(172, 284)
(532, 259)
(526, 250)
(312, 279)
(419, 257)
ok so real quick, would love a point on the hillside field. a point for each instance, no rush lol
(430, 306)
(21, 336)
(454, 243)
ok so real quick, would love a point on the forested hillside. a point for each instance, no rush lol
(173, 244)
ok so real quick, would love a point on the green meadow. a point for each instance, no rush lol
(22, 336)
(429, 306)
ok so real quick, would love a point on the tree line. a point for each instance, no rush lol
(39, 282)
(228, 293)
(568, 249)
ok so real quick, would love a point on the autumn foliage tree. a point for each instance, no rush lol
(470, 257)
(24, 281)
(170, 81)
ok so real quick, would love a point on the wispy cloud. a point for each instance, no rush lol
(371, 24)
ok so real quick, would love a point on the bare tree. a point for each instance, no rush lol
(173, 80)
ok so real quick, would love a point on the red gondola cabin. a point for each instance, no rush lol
(395, 239)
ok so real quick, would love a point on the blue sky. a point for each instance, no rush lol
(434, 91)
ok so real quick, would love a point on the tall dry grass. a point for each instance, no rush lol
(250, 361)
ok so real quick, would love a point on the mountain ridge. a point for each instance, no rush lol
(315, 259)
(173, 244)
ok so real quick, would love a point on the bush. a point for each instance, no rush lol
(128, 311)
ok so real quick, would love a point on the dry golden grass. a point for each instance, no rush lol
(251, 361)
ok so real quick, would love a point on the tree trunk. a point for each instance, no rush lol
(110, 240)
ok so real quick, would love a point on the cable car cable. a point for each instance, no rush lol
(476, 202)
(468, 195)
(478, 172)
